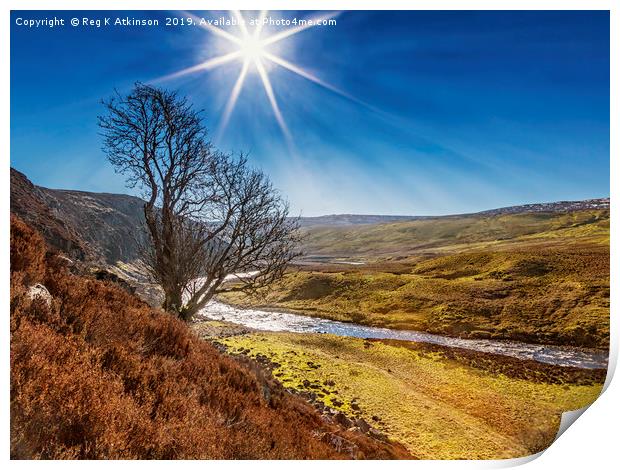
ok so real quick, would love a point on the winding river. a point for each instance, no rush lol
(280, 321)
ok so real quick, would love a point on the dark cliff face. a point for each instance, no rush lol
(86, 226)
(29, 202)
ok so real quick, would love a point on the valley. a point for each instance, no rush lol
(523, 277)
(452, 337)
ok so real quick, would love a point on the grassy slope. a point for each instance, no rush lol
(532, 277)
(451, 234)
(439, 407)
(97, 374)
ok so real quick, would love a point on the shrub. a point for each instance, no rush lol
(100, 375)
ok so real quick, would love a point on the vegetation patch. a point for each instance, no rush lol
(551, 295)
(438, 406)
(97, 374)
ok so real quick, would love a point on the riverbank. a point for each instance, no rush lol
(550, 296)
(275, 320)
(439, 403)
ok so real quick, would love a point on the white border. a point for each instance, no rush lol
(592, 443)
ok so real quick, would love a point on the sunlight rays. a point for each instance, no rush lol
(298, 29)
(251, 51)
(272, 99)
(308, 76)
(206, 65)
(232, 100)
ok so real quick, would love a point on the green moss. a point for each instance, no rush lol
(437, 407)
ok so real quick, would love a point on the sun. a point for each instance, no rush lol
(251, 49)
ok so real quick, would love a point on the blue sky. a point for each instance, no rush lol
(451, 111)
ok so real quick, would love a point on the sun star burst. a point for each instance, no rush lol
(252, 52)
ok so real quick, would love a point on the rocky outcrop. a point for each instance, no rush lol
(40, 292)
(29, 203)
(94, 226)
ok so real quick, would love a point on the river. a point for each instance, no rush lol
(280, 321)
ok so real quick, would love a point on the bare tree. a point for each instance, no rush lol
(209, 215)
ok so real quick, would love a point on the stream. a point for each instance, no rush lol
(281, 321)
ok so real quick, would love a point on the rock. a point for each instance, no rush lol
(39, 291)
(377, 435)
(343, 421)
(342, 445)
(102, 274)
(266, 393)
(362, 424)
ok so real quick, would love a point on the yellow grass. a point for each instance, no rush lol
(437, 407)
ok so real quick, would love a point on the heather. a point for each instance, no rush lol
(98, 374)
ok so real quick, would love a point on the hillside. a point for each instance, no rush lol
(533, 277)
(426, 237)
(30, 203)
(105, 227)
(347, 220)
(95, 373)
(109, 227)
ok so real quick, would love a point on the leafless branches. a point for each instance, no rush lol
(209, 215)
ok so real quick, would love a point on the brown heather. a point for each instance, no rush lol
(100, 375)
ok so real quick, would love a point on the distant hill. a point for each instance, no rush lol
(426, 237)
(347, 220)
(561, 206)
(343, 220)
(109, 227)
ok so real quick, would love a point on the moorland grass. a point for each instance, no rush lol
(98, 374)
(535, 277)
(437, 406)
(455, 234)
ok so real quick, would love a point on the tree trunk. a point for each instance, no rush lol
(188, 312)
(173, 302)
